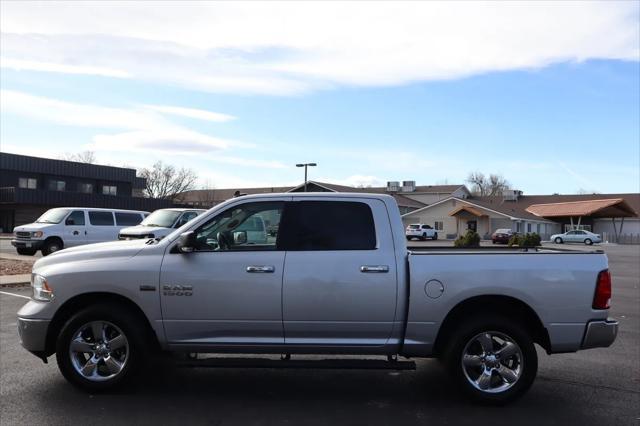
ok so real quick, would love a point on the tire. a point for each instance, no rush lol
(107, 366)
(510, 377)
(424, 237)
(558, 240)
(588, 241)
(408, 238)
(435, 236)
(26, 251)
(52, 245)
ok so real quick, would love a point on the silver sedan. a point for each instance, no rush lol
(576, 236)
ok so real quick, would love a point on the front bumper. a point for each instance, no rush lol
(33, 334)
(27, 244)
(600, 334)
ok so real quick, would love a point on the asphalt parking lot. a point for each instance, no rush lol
(600, 386)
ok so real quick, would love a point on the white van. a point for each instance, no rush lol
(159, 224)
(72, 226)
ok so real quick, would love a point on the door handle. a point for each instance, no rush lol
(261, 269)
(75, 232)
(374, 268)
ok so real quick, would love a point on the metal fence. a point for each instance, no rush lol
(621, 239)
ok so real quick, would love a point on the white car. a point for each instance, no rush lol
(159, 224)
(577, 236)
(72, 226)
(420, 231)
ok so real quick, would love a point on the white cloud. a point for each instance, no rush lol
(290, 48)
(199, 114)
(19, 65)
(144, 130)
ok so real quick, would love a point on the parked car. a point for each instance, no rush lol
(159, 224)
(336, 280)
(577, 236)
(420, 231)
(502, 236)
(72, 226)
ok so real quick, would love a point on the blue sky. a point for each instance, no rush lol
(551, 111)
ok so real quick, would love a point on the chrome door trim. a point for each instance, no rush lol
(261, 269)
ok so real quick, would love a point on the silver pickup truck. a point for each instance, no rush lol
(334, 277)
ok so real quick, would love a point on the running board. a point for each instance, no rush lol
(355, 364)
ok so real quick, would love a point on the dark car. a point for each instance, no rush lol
(502, 236)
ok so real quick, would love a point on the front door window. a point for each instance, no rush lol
(472, 225)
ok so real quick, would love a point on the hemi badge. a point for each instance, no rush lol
(147, 288)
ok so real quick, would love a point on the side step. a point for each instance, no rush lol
(356, 364)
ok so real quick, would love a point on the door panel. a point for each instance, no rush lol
(227, 304)
(328, 299)
(75, 230)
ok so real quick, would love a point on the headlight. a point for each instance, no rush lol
(40, 289)
(37, 234)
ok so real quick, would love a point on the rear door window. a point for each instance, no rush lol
(327, 225)
(128, 219)
(98, 218)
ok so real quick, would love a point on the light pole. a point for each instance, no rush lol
(305, 165)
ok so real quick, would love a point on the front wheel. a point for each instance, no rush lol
(100, 347)
(52, 245)
(435, 236)
(558, 240)
(492, 359)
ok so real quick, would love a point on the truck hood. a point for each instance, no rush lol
(31, 227)
(124, 249)
(144, 230)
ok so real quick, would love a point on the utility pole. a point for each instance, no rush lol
(305, 165)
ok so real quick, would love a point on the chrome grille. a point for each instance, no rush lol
(23, 234)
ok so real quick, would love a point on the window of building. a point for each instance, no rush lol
(57, 185)
(86, 188)
(109, 190)
(241, 228)
(28, 183)
(528, 227)
(439, 225)
(76, 218)
(128, 219)
(518, 226)
(99, 218)
(327, 225)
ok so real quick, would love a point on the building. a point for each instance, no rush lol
(408, 196)
(614, 216)
(29, 186)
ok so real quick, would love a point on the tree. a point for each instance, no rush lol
(165, 181)
(482, 185)
(88, 157)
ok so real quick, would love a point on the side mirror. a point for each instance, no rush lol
(187, 242)
(239, 237)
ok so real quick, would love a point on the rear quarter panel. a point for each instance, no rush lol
(559, 287)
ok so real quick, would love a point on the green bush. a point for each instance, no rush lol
(470, 239)
(527, 240)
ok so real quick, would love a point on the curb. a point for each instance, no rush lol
(14, 285)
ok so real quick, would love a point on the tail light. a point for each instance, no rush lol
(603, 290)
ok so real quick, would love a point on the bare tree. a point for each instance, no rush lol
(482, 185)
(165, 181)
(583, 191)
(88, 157)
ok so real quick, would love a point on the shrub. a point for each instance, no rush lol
(470, 239)
(527, 240)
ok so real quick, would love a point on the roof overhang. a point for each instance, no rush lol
(614, 207)
(469, 209)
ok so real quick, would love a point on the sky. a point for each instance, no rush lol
(545, 93)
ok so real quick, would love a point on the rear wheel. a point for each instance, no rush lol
(424, 236)
(52, 245)
(492, 359)
(26, 251)
(588, 241)
(558, 240)
(100, 347)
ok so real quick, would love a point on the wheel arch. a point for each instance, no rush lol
(79, 302)
(509, 306)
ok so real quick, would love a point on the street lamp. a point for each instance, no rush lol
(305, 165)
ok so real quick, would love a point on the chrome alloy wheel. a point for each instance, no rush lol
(492, 362)
(99, 351)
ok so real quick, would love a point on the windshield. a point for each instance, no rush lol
(503, 231)
(161, 218)
(53, 216)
